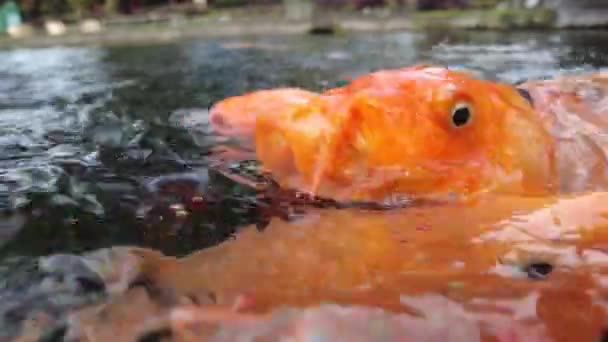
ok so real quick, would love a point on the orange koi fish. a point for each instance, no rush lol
(428, 131)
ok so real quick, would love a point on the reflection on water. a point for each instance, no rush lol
(439, 277)
(94, 151)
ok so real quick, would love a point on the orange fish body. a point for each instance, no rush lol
(427, 131)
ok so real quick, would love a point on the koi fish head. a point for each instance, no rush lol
(417, 130)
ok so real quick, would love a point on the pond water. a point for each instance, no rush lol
(95, 151)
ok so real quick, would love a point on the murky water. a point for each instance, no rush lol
(95, 150)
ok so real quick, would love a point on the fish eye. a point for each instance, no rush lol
(526, 95)
(461, 114)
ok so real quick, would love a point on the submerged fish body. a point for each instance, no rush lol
(428, 131)
(504, 268)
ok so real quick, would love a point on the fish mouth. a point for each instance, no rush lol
(221, 125)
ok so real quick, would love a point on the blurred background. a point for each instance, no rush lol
(22, 18)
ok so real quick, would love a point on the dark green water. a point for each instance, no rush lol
(86, 133)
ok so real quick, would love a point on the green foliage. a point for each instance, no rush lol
(486, 4)
(111, 6)
(80, 7)
(512, 18)
(229, 3)
(53, 8)
(235, 3)
(500, 19)
(33, 9)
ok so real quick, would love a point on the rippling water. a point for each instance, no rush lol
(103, 146)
